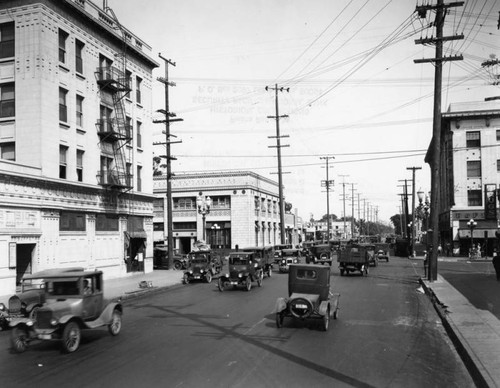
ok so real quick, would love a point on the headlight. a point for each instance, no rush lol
(256, 265)
(191, 272)
(29, 323)
(240, 275)
(23, 306)
(201, 271)
(2, 307)
(283, 262)
(295, 261)
(226, 275)
(53, 322)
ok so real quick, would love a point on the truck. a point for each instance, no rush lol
(355, 258)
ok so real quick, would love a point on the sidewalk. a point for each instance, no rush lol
(474, 332)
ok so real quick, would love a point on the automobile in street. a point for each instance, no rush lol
(370, 251)
(288, 257)
(73, 301)
(354, 258)
(277, 251)
(320, 254)
(264, 257)
(382, 251)
(309, 296)
(243, 269)
(160, 258)
(203, 265)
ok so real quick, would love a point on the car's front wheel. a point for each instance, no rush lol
(260, 277)
(177, 265)
(19, 339)
(279, 320)
(326, 319)
(116, 322)
(71, 337)
(221, 285)
(208, 277)
(248, 283)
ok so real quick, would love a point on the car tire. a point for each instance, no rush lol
(336, 313)
(33, 313)
(279, 320)
(19, 339)
(71, 337)
(260, 277)
(177, 265)
(304, 301)
(208, 277)
(115, 326)
(326, 319)
(185, 279)
(220, 285)
(270, 272)
(248, 283)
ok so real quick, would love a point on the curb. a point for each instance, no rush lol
(131, 296)
(463, 349)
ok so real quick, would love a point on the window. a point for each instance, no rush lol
(128, 80)
(498, 135)
(473, 139)
(72, 221)
(79, 165)
(128, 126)
(139, 178)
(138, 83)
(63, 150)
(159, 226)
(474, 169)
(128, 167)
(79, 56)
(221, 202)
(184, 203)
(106, 223)
(105, 122)
(63, 37)
(474, 198)
(63, 109)
(7, 100)
(139, 138)
(8, 151)
(184, 225)
(105, 67)
(79, 111)
(498, 165)
(7, 40)
(106, 167)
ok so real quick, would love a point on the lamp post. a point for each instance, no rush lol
(204, 204)
(472, 224)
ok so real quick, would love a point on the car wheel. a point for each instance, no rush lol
(220, 285)
(270, 272)
(71, 337)
(33, 313)
(336, 313)
(279, 320)
(208, 277)
(248, 283)
(19, 339)
(366, 271)
(326, 319)
(185, 279)
(260, 277)
(177, 265)
(116, 322)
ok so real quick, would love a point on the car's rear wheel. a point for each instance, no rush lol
(116, 322)
(336, 313)
(208, 277)
(177, 265)
(326, 319)
(185, 279)
(248, 283)
(71, 337)
(19, 339)
(279, 320)
(220, 284)
(260, 277)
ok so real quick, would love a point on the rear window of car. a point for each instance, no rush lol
(237, 260)
(306, 274)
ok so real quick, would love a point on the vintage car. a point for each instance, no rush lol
(73, 301)
(203, 265)
(160, 258)
(382, 252)
(243, 269)
(288, 257)
(320, 254)
(370, 251)
(309, 295)
(277, 251)
(264, 257)
(355, 257)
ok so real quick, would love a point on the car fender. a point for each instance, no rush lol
(19, 321)
(281, 305)
(323, 307)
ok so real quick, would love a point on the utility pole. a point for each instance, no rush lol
(359, 216)
(434, 161)
(278, 146)
(327, 184)
(413, 209)
(343, 202)
(352, 210)
(168, 114)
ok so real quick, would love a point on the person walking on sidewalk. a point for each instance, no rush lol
(496, 264)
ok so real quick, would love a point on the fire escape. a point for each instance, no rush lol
(114, 131)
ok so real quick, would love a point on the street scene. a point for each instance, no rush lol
(236, 193)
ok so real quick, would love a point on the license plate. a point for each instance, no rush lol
(233, 283)
(196, 276)
(44, 336)
(301, 306)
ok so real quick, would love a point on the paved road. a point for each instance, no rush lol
(387, 335)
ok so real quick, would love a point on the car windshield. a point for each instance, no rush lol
(238, 260)
(199, 260)
(31, 284)
(63, 287)
(289, 253)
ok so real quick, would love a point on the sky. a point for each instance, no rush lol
(351, 90)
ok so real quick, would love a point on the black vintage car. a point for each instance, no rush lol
(309, 295)
(203, 265)
(243, 269)
(160, 258)
(320, 254)
(264, 257)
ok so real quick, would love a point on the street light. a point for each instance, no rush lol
(204, 204)
(472, 224)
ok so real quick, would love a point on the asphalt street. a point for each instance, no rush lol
(387, 335)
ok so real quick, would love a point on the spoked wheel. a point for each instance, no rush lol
(248, 284)
(116, 323)
(260, 278)
(34, 312)
(270, 272)
(185, 279)
(326, 320)
(19, 339)
(336, 313)
(177, 265)
(279, 320)
(208, 277)
(220, 285)
(71, 337)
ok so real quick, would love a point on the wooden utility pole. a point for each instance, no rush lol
(413, 209)
(343, 203)
(352, 210)
(327, 184)
(278, 147)
(434, 161)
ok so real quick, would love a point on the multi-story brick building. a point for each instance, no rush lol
(470, 174)
(75, 141)
(244, 211)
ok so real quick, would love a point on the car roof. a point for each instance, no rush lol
(72, 272)
(246, 253)
(291, 250)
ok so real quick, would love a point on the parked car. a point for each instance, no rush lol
(203, 265)
(264, 256)
(73, 301)
(243, 269)
(288, 257)
(309, 295)
(320, 254)
(160, 258)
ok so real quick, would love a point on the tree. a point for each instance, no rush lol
(396, 221)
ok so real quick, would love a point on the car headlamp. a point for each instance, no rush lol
(256, 265)
(191, 271)
(240, 275)
(53, 322)
(23, 306)
(29, 323)
(201, 271)
(2, 307)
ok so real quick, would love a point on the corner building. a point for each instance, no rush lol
(75, 141)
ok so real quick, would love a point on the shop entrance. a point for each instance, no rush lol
(184, 245)
(24, 260)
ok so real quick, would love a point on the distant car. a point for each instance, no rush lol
(382, 251)
(288, 257)
(382, 255)
(309, 295)
(277, 251)
(264, 256)
(203, 265)
(73, 302)
(243, 269)
(160, 258)
(320, 254)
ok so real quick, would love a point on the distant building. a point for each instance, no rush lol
(470, 174)
(319, 229)
(244, 211)
(75, 141)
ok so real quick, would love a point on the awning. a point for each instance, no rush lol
(478, 233)
(136, 234)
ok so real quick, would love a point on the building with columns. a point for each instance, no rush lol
(75, 141)
(244, 211)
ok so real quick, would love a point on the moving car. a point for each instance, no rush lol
(288, 257)
(73, 301)
(203, 265)
(354, 258)
(264, 256)
(243, 269)
(160, 258)
(382, 252)
(277, 251)
(320, 254)
(309, 296)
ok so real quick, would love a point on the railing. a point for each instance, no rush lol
(114, 179)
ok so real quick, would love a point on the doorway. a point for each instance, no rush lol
(184, 245)
(24, 260)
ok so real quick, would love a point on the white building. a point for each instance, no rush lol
(75, 141)
(244, 211)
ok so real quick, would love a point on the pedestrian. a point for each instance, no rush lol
(496, 264)
(440, 250)
(448, 249)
